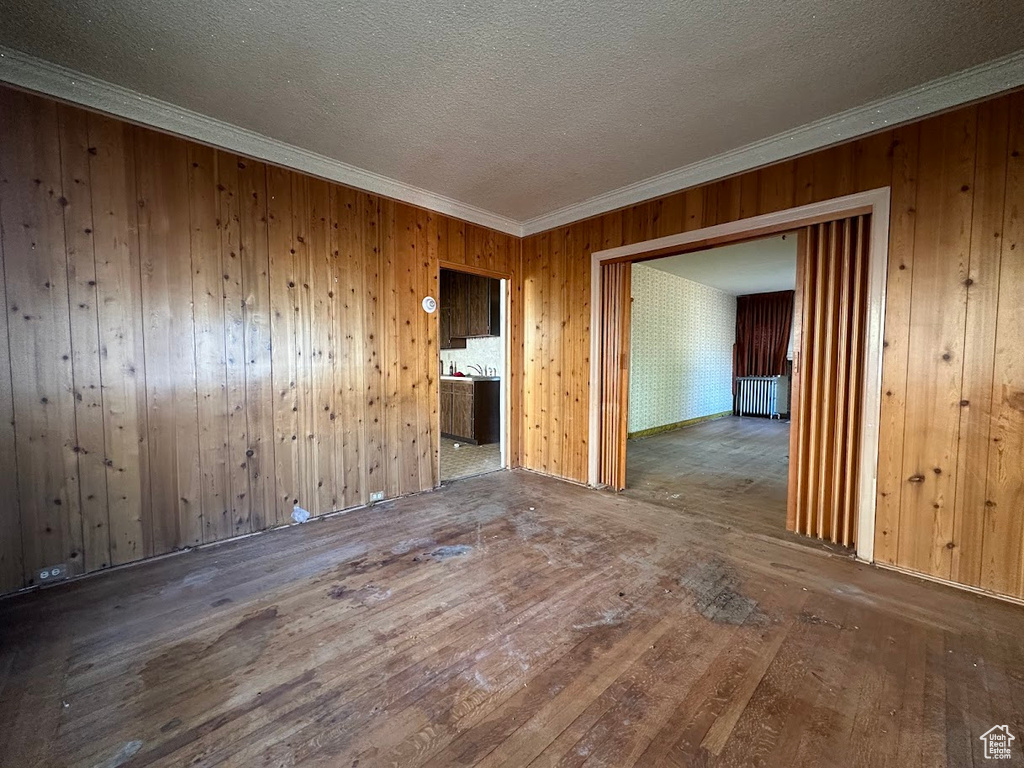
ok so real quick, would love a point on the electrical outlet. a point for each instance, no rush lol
(376, 496)
(53, 573)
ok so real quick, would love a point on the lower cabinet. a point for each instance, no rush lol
(471, 410)
(462, 413)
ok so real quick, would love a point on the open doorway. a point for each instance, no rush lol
(837, 354)
(471, 360)
(710, 361)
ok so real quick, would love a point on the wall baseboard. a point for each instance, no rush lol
(204, 546)
(948, 583)
(677, 425)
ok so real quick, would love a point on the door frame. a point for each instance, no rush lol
(506, 327)
(875, 202)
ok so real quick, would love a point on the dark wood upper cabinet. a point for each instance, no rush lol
(474, 306)
(458, 300)
(478, 299)
(447, 340)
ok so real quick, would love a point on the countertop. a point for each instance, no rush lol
(470, 378)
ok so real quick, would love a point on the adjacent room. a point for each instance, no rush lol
(472, 367)
(436, 384)
(711, 354)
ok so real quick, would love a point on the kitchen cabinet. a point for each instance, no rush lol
(481, 316)
(473, 303)
(471, 410)
(463, 398)
(447, 340)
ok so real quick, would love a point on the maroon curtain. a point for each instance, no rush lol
(763, 322)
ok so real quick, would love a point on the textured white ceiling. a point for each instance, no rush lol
(518, 107)
(756, 266)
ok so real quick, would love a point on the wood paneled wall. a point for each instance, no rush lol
(951, 462)
(194, 342)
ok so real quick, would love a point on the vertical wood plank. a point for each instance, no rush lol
(895, 352)
(1003, 546)
(423, 363)
(534, 339)
(429, 333)
(814, 348)
(797, 439)
(164, 250)
(35, 271)
(322, 327)
(373, 344)
(230, 223)
(983, 307)
(828, 341)
(260, 462)
(11, 562)
(776, 187)
(302, 306)
(85, 337)
(942, 243)
(845, 406)
(390, 352)
(283, 328)
(626, 301)
(348, 241)
(122, 366)
(210, 333)
(860, 255)
(515, 362)
(872, 164)
(554, 394)
(694, 209)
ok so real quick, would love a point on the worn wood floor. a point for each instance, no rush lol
(508, 619)
(732, 469)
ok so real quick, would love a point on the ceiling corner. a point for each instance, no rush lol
(968, 85)
(41, 76)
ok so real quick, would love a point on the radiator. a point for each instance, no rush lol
(762, 396)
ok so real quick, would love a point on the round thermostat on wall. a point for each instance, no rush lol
(430, 304)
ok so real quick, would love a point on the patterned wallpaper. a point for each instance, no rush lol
(681, 349)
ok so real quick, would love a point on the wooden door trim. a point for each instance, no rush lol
(473, 270)
(505, 398)
(875, 202)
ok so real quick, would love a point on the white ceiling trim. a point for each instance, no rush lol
(42, 76)
(931, 97)
(38, 75)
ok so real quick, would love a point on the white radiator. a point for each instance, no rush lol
(762, 396)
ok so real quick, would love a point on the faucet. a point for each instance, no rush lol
(480, 371)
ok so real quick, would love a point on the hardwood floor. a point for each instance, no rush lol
(733, 469)
(508, 619)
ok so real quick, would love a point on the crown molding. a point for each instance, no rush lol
(913, 104)
(34, 74)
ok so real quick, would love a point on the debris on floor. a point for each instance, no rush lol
(455, 550)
